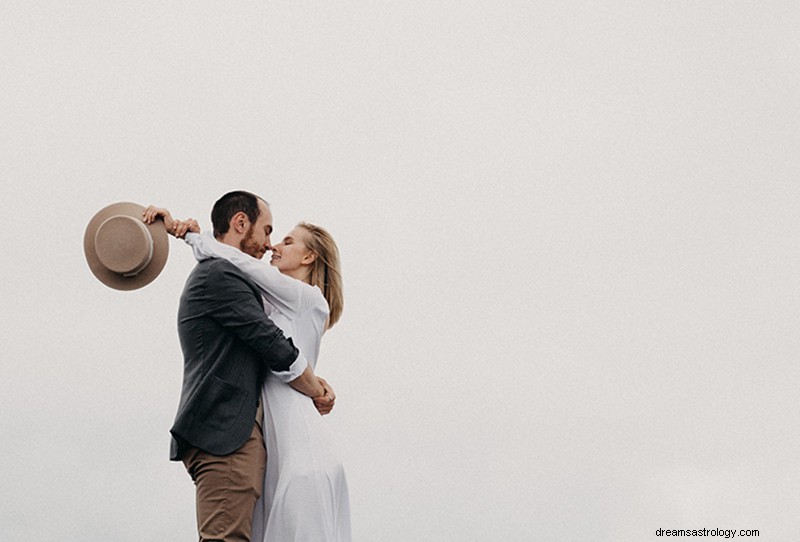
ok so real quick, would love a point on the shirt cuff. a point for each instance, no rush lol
(295, 369)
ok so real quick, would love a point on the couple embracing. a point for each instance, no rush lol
(248, 427)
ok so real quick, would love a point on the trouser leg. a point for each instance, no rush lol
(227, 488)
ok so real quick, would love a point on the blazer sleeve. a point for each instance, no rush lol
(236, 306)
(283, 292)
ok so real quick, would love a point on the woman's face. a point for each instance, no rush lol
(291, 254)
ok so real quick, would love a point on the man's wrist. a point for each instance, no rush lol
(322, 391)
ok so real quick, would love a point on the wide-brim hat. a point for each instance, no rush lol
(122, 251)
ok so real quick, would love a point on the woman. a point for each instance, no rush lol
(305, 491)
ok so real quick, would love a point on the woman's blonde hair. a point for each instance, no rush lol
(326, 270)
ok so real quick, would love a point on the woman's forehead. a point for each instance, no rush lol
(297, 234)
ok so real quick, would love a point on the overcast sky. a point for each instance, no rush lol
(569, 234)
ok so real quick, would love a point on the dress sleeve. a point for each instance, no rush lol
(283, 292)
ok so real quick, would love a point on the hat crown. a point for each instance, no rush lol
(123, 245)
(122, 251)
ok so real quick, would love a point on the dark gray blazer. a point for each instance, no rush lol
(228, 344)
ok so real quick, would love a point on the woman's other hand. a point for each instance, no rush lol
(182, 227)
(152, 213)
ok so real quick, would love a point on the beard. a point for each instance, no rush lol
(249, 246)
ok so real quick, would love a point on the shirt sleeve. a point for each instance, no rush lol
(235, 306)
(283, 292)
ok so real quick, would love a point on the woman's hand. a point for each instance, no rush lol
(178, 228)
(152, 213)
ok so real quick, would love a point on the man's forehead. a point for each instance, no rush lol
(265, 219)
(265, 213)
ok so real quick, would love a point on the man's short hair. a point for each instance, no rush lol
(230, 204)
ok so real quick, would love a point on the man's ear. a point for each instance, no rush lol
(240, 222)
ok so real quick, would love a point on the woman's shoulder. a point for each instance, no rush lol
(313, 298)
(314, 306)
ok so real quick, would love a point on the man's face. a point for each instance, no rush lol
(256, 241)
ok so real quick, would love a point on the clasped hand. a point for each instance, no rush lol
(324, 403)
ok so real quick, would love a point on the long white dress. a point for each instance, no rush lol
(305, 491)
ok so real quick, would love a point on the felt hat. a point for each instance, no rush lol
(122, 251)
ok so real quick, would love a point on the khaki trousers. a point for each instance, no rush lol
(227, 489)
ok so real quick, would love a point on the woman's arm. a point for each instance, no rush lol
(283, 292)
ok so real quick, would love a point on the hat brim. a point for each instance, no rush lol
(115, 280)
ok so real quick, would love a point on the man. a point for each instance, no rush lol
(228, 344)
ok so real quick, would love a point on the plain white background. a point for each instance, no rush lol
(569, 234)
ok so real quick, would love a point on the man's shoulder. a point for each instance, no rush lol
(219, 274)
(214, 266)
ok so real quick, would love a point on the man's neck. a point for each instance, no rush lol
(232, 240)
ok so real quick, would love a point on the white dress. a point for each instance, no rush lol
(305, 491)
